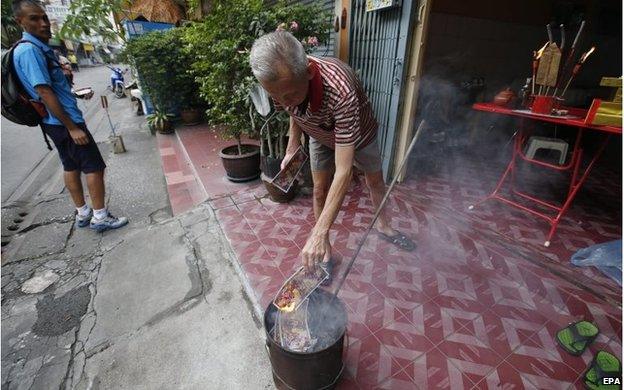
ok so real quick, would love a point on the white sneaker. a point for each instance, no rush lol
(83, 221)
(107, 223)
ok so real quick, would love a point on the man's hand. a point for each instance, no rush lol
(316, 249)
(287, 156)
(79, 136)
(294, 141)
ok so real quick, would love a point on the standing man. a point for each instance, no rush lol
(74, 61)
(43, 79)
(326, 101)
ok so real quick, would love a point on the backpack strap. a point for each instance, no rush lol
(45, 138)
(50, 63)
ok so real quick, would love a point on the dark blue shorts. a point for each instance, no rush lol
(84, 158)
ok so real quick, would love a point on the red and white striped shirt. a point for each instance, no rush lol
(337, 110)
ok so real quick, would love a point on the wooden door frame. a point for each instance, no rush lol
(407, 125)
(342, 37)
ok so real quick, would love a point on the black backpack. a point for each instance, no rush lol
(17, 106)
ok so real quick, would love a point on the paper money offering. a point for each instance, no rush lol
(287, 176)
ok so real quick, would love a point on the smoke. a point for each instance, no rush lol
(323, 315)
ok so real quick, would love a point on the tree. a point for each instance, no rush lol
(11, 31)
(89, 17)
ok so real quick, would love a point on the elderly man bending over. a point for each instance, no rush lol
(326, 101)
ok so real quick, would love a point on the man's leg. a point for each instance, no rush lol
(74, 186)
(377, 188)
(95, 182)
(321, 181)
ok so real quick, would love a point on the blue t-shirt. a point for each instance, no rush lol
(32, 69)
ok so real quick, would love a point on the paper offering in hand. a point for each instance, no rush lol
(297, 288)
(287, 176)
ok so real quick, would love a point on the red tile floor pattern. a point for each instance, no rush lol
(472, 307)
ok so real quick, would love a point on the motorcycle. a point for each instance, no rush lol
(117, 81)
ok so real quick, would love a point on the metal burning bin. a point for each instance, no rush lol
(321, 367)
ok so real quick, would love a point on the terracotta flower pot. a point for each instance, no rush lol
(241, 167)
(191, 116)
(276, 194)
(166, 128)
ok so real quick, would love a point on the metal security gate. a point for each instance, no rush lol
(377, 52)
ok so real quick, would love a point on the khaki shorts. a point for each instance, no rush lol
(367, 159)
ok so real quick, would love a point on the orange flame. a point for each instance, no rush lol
(541, 51)
(584, 56)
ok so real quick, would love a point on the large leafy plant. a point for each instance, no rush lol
(163, 67)
(11, 31)
(88, 17)
(221, 44)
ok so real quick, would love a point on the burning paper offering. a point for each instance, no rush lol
(286, 177)
(297, 288)
(294, 332)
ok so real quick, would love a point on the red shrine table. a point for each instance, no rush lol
(575, 118)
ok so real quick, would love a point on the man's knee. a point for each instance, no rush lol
(319, 192)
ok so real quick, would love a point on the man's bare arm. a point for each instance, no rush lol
(317, 246)
(52, 103)
(337, 190)
(294, 141)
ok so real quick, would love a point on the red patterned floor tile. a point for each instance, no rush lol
(402, 282)
(488, 330)
(509, 311)
(437, 322)
(404, 342)
(434, 370)
(462, 298)
(503, 377)
(373, 310)
(541, 369)
(346, 382)
(369, 362)
(356, 330)
(247, 250)
(220, 203)
(400, 381)
(288, 260)
(473, 357)
(242, 198)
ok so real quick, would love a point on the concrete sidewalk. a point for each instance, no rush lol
(157, 304)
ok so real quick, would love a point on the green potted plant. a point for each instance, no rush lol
(273, 142)
(160, 121)
(222, 69)
(163, 66)
(191, 112)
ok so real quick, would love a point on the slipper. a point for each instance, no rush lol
(604, 372)
(575, 337)
(329, 267)
(400, 240)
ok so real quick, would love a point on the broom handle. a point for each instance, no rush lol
(379, 208)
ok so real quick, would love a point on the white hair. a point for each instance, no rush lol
(275, 52)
